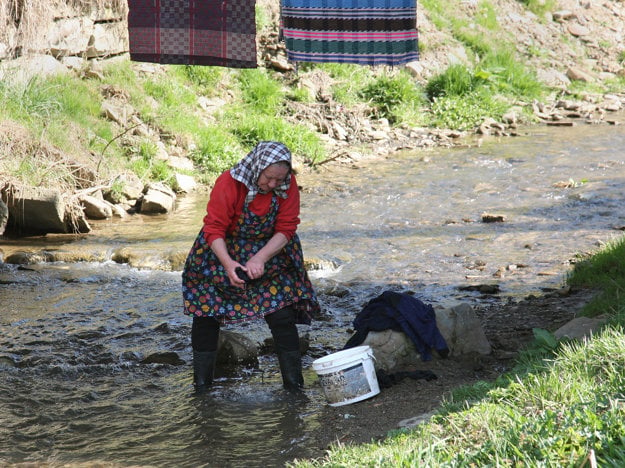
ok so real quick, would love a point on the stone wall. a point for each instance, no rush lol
(68, 30)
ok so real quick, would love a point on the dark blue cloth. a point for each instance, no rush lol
(401, 312)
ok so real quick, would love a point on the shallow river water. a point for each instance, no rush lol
(76, 384)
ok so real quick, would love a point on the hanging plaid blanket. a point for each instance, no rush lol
(366, 32)
(193, 32)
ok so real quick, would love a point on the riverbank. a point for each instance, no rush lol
(409, 403)
(547, 408)
(483, 70)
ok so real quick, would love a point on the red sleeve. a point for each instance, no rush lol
(224, 207)
(288, 211)
(226, 204)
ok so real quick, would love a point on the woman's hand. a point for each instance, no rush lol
(234, 277)
(255, 267)
(230, 265)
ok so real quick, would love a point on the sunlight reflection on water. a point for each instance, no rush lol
(73, 386)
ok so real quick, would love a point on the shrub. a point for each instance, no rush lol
(465, 112)
(259, 91)
(457, 80)
(392, 96)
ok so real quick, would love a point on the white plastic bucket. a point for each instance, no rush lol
(347, 376)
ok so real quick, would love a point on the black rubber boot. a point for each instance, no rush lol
(286, 343)
(291, 369)
(203, 369)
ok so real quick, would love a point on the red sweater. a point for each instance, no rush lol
(226, 204)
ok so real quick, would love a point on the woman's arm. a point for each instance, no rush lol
(255, 266)
(223, 208)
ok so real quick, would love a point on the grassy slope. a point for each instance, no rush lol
(478, 59)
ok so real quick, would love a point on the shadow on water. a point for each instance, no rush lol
(76, 381)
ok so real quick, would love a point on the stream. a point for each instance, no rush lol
(76, 381)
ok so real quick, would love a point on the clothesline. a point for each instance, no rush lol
(223, 33)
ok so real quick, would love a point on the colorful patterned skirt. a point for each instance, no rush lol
(207, 291)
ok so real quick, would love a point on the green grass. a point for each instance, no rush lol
(36, 172)
(604, 271)
(396, 98)
(503, 73)
(153, 169)
(204, 80)
(456, 80)
(480, 33)
(251, 128)
(216, 150)
(60, 112)
(347, 81)
(263, 18)
(487, 16)
(260, 92)
(614, 85)
(495, 77)
(47, 105)
(462, 97)
(498, 72)
(465, 112)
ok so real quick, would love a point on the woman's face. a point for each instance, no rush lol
(272, 177)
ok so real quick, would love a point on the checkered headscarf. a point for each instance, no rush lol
(266, 153)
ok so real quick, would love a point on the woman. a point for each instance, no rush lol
(247, 262)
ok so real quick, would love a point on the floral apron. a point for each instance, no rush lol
(206, 288)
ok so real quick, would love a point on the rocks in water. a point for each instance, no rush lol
(234, 350)
(35, 210)
(481, 288)
(169, 357)
(157, 198)
(493, 218)
(96, 208)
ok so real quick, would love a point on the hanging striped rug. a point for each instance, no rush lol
(365, 32)
(193, 32)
